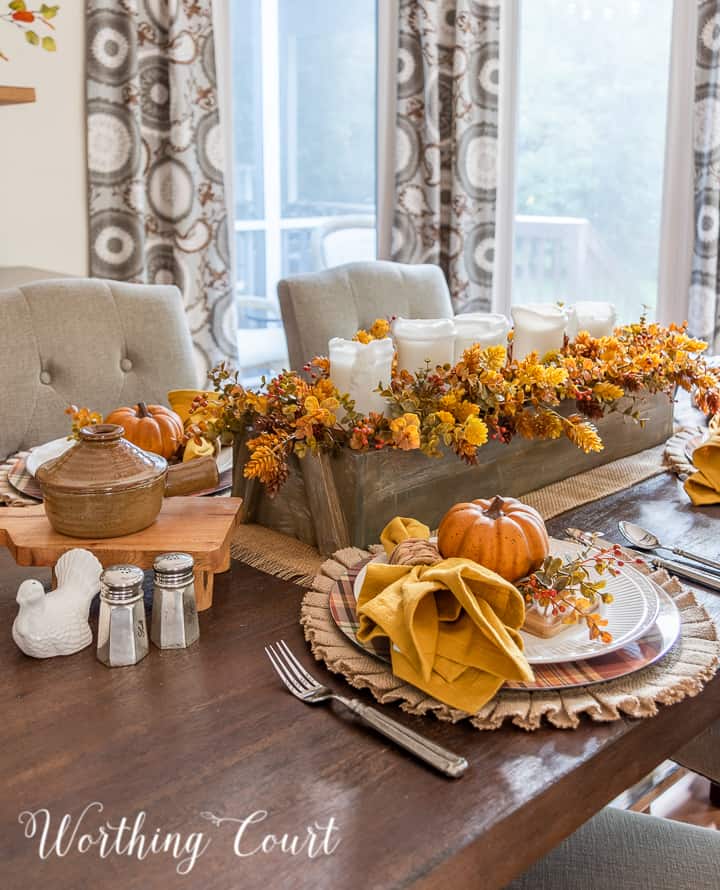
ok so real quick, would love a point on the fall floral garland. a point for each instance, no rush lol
(487, 395)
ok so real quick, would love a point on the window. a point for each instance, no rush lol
(590, 147)
(304, 126)
(581, 205)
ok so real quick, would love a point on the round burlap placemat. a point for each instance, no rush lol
(683, 672)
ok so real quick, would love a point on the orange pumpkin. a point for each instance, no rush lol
(502, 534)
(150, 427)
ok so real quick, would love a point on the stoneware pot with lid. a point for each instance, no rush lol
(106, 487)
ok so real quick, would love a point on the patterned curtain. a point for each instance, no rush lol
(155, 159)
(704, 312)
(446, 142)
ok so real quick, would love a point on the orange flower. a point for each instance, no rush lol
(406, 432)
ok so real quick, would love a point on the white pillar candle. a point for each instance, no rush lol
(484, 328)
(357, 368)
(539, 327)
(422, 340)
(598, 319)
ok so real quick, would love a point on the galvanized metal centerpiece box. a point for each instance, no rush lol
(331, 501)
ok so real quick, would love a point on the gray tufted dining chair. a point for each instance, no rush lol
(91, 342)
(337, 302)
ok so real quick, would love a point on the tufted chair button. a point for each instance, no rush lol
(45, 377)
(126, 364)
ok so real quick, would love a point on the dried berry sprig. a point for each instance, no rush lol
(565, 587)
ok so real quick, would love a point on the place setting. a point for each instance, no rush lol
(631, 639)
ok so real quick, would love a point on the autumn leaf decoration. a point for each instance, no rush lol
(28, 20)
(487, 395)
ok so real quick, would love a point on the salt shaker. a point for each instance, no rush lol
(122, 630)
(174, 613)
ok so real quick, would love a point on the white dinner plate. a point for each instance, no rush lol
(634, 609)
(49, 451)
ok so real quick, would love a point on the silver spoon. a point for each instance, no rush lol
(645, 540)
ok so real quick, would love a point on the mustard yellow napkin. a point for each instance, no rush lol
(703, 487)
(181, 401)
(400, 529)
(455, 625)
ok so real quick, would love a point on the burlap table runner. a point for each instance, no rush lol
(682, 673)
(288, 558)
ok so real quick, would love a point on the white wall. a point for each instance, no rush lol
(43, 187)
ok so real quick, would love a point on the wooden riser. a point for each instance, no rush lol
(202, 527)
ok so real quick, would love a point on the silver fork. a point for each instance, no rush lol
(308, 690)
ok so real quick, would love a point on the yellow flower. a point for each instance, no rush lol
(475, 431)
(691, 345)
(406, 431)
(529, 372)
(444, 417)
(257, 403)
(492, 379)
(554, 376)
(316, 412)
(465, 409)
(362, 337)
(608, 392)
(449, 401)
(380, 329)
(324, 389)
(495, 357)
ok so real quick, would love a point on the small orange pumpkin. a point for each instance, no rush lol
(150, 427)
(502, 534)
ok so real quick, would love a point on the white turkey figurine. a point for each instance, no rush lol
(56, 623)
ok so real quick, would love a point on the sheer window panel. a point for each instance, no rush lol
(592, 96)
(327, 107)
(250, 264)
(304, 104)
(247, 110)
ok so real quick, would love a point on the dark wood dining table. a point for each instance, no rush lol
(209, 731)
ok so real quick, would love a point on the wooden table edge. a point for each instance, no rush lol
(461, 868)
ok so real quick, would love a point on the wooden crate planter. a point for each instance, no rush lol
(332, 501)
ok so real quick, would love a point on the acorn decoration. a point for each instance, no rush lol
(415, 552)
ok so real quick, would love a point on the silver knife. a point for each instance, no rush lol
(683, 571)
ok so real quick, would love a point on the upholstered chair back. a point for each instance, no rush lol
(99, 344)
(337, 302)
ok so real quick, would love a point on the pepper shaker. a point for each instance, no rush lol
(174, 613)
(122, 630)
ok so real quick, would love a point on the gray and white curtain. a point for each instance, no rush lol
(157, 209)
(446, 142)
(704, 303)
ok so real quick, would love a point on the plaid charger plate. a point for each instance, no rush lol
(637, 655)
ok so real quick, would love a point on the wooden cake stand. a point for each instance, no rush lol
(202, 527)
